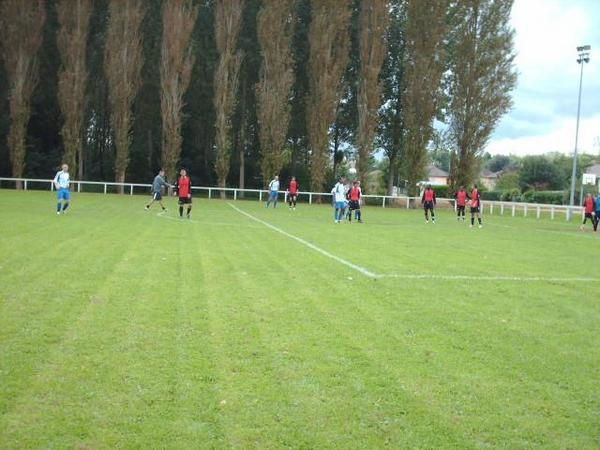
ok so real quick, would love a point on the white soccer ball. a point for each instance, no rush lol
(352, 170)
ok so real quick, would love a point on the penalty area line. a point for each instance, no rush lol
(433, 276)
(416, 276)
(346, 263)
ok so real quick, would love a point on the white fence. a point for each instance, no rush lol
(488, 207)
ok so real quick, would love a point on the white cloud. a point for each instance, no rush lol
(560, 139)
(547, 33)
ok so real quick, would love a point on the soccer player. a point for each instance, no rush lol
(597, 213)
(273, 191)
(475, 206)
(63, 195)
(293, 193)
(339, 199)
(354, 195)
(590, 210)
(428, 201)
(461, 200)
(157, 185)
(183, 189)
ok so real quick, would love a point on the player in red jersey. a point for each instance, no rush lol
(461, 200)
(183, 189)
(428, 201)
(293, 193)
(354, 194)
(589, 210)
(475, 206)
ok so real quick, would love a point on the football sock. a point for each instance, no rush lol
(479, 220)
(65, 206)
(58, 205)
(181, 211)
(472, 220)
(189, 210)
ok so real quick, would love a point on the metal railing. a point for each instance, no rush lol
(385, 201)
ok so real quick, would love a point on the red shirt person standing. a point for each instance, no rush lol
(293, 193)
(475, 206)
(183, 189)
(589, 206)
(461, 201)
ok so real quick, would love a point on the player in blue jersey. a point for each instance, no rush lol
(63, 195)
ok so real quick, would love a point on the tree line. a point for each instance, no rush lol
(239, 90)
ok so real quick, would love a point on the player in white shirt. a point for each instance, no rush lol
(339, 199)
(63, 195)
(273, 191)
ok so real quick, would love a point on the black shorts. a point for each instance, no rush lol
(292, 197)
(354, 204)
(157, 196)
(460, 208)
(428, 205)
(589, 216)
(474, 210)
(185, 200)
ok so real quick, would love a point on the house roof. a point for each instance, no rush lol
(595, 169)
(489, 174)
(433, 171)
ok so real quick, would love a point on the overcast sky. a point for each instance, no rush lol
(545, 100)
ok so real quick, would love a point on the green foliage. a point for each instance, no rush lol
(540, 173)
(492, 195)
(508, 181)
(442, 191)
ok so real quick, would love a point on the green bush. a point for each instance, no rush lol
(441, 191)
(513, 195)
(491, 195)
(547, 197)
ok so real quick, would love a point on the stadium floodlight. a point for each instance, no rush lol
(583, 56)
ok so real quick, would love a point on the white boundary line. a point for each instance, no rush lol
(417, 276)
(360, 269)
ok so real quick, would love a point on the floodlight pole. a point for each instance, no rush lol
(583, 57)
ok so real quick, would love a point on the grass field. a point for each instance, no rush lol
(253, 328)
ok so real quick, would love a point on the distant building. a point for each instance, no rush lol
(437, 176)
(489, 179)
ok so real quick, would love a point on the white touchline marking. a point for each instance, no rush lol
(416, 276)
(433, 276)
(360, 269)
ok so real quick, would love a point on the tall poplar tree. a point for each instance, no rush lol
(329, 43)
(21, 35)
(74, 18)
(481, 78)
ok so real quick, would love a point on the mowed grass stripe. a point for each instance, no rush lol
(192, 313)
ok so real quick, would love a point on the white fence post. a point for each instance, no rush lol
(491, 209)
(131, 189)
(260, 196)
(235, 194)
(104, 188)
(25, 184)
(310, 198)
(501, 209)
(383, 202)
(538, 212)
(78, 186)
(552, 213)
(513, 210)
(525, 210)
(209, 193)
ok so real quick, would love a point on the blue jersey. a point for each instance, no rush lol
(62, 179)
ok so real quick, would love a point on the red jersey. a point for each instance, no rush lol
(475, 199)
(589, 204)
(293, 187)
(461, 198)
(355, 194)
(428, 196)
(184, 187)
